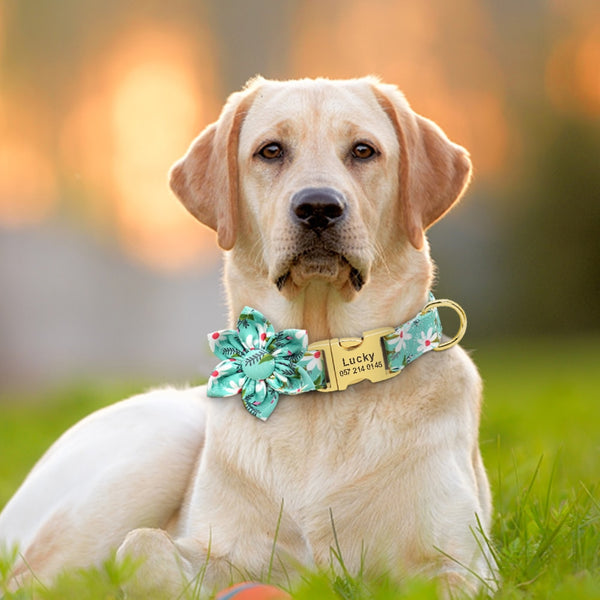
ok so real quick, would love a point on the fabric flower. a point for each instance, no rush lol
(259, 363)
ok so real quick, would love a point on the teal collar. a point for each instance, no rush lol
(260, 363)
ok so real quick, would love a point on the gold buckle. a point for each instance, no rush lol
(353, 359)
(461, 315)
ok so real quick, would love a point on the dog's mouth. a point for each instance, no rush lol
(321, 265)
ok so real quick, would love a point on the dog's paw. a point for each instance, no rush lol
(455, 586)
(160, 572)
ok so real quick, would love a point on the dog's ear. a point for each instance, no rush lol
(206, 178)
(434, 172)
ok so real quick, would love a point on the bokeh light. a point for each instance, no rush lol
(449, 73)
(133, 119)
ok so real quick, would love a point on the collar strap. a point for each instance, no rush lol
(260, 363)
(382, 353)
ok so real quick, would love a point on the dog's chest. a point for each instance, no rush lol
(316, 443)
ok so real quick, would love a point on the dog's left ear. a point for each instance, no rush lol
(206, 178)
(434, 172)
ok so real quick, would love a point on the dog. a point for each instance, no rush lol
(320, 192)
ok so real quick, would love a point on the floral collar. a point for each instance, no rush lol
(260, 363)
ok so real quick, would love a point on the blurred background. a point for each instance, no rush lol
(104, 275)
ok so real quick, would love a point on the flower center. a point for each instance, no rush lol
(258, 364)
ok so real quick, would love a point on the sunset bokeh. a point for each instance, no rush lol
(98, 99)
(139, 94)
(133, 118)
(449, 74)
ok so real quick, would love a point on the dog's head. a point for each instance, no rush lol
(319, 179)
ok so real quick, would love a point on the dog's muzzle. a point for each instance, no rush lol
(320, 216)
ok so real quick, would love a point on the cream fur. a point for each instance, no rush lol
(395, 465)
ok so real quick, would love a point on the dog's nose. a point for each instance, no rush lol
(318, 208)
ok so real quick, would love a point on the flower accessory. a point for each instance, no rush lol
(259, 363)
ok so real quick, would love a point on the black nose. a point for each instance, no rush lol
(318, 208)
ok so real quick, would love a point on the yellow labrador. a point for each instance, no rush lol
(321, 192)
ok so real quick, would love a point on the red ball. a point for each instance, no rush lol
(252, 591)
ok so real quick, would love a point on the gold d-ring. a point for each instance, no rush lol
(461, 315)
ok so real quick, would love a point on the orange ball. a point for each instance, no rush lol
(252, 591)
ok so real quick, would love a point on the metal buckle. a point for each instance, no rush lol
(353, 359)
(461, 315)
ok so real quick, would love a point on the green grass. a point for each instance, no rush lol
(540, 437)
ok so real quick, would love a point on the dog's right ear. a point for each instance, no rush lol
(433, 171)
(206, 178)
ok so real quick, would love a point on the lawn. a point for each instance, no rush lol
(540, 437)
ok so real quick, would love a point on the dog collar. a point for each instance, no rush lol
(260, 363)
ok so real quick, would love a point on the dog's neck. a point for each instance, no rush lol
(396, 290)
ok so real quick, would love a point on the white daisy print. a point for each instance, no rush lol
(427, 341)
(399, 342)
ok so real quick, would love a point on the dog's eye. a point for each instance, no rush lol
(271, 151)
(363, 151)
